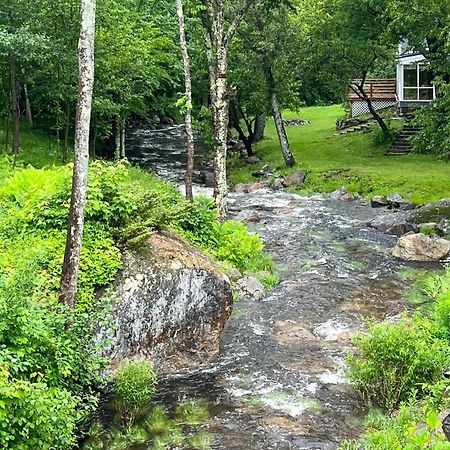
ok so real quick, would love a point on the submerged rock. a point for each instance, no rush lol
(418, 247)
(172, 303)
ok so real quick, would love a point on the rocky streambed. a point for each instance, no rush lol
(278, 381)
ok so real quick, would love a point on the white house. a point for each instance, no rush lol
(413, 85)
(414, 79)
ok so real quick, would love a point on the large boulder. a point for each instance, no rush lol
(418, 247)
(170, 306)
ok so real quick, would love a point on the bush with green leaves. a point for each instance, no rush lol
(134, 386)
(434, 138)
(394, 359)
(47, 366)
(414, 426)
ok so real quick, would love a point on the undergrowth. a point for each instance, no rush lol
(400, 367)
(48, 364)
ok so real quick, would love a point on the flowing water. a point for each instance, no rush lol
(279, 382)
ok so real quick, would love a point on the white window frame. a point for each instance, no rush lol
(402, 87)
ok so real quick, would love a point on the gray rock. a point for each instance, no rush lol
(342, 194)
(278, 183)
(395, 224)
(434, 212)
(395, 200)
(379, 201)
(171, 305)
(234, 274)
(250, 287)
(294, 179)
(248, 216)
(245, 188)
(265, 172)
(208, 179)
(253, 159)
(443, 227)
(167, 121)
(418, 247)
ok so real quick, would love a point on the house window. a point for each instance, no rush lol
(417, 83)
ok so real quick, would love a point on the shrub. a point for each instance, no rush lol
(47, 367)
(435, 135)
(393, 360)
(134, 387)
(241, 249)
(413, 427)
(199, 223)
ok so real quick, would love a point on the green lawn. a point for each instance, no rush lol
(38, 148)
(350, 160)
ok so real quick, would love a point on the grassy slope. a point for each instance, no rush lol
(36, 147)
(418, 177)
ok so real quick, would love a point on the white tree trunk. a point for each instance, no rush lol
(28, 105)
(221, 133)
(71, 266)
(188, 93)
(116, 139)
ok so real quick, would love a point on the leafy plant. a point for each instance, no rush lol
(134, 387)
(395, 359)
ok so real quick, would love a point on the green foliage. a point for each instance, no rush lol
(412, 427)
(159, 430)
(230, 242)
(199, 223)
(239, 248)
(379, 138)
(47, 366)
(434, 138)
(134, 387)
(395, 359)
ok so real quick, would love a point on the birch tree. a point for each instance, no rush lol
(72, 254)
(188, 96)
(217, 40)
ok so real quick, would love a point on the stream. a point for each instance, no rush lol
(279, 382)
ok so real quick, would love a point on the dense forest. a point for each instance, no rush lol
(260, 85)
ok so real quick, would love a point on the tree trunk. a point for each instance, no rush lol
(15, 107)
(66, 134)
(359, 90)
(260, 126)
(235, 119)
(6, 132)
(188, 93)
(71, 266)
(378, 118)
(116, 139)
(28, 105)
(277, 117)
(221, 132)
(122, 139)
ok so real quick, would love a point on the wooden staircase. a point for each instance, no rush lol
(402, 144)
